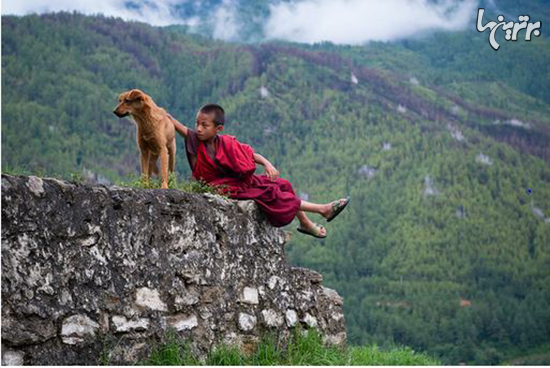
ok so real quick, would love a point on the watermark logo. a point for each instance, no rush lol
(512, 28)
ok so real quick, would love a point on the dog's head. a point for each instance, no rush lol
(130, 102)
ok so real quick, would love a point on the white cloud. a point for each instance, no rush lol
(359, 21)
(158, 12)
(310, 21)
(226, 26)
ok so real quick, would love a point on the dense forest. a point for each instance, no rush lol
(442, 144)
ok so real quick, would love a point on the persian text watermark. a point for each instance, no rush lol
(512, 28)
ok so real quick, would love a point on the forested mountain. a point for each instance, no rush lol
(442, 143)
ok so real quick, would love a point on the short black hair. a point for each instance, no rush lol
(219, 114)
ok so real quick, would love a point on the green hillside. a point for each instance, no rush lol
(436, 141)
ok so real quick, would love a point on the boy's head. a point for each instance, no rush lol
(210, 120)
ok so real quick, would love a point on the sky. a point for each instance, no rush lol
(307, 21)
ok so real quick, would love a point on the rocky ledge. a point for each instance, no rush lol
(89, 267)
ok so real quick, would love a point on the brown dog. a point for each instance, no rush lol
(156, 135)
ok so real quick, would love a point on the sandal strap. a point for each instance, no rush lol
(337, 207)
(337, 204)
(315, 229)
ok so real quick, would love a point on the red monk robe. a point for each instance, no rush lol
(232, 164)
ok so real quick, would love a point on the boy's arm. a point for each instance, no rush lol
(260, 159)
(180, 128)
(270, 170)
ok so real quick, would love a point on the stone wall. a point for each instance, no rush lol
(85, 266)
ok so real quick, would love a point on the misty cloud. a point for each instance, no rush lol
(157, 12)
(226, 26)
(359, 21)
(309, 21)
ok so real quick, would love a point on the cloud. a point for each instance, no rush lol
(309, 21)
(359, 21)
(226, 25)
(157, 12)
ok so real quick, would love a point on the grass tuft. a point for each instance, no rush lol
(192, 186)
(305, 347)
(175, 351)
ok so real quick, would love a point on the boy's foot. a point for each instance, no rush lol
(314, 229)
(336, 207)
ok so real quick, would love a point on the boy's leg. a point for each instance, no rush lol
(306, 223)
(322, 209)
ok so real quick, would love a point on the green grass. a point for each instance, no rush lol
(302, 349)
(72, 176)
(20, 170)
(173, 183)
(133, 181)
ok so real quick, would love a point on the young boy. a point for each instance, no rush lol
(221, 160)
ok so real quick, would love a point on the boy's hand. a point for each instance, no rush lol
(180, 128)
(271, 171)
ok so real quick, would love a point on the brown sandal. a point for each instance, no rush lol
(338, 207)
(314, 231)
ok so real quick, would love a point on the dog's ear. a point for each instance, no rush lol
(135, 95)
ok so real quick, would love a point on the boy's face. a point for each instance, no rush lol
(205, 127)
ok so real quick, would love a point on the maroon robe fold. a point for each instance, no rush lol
(231, 164)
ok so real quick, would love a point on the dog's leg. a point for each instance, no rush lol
(145, 165)
(164, 168)
(172, 156)
(153, 168)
